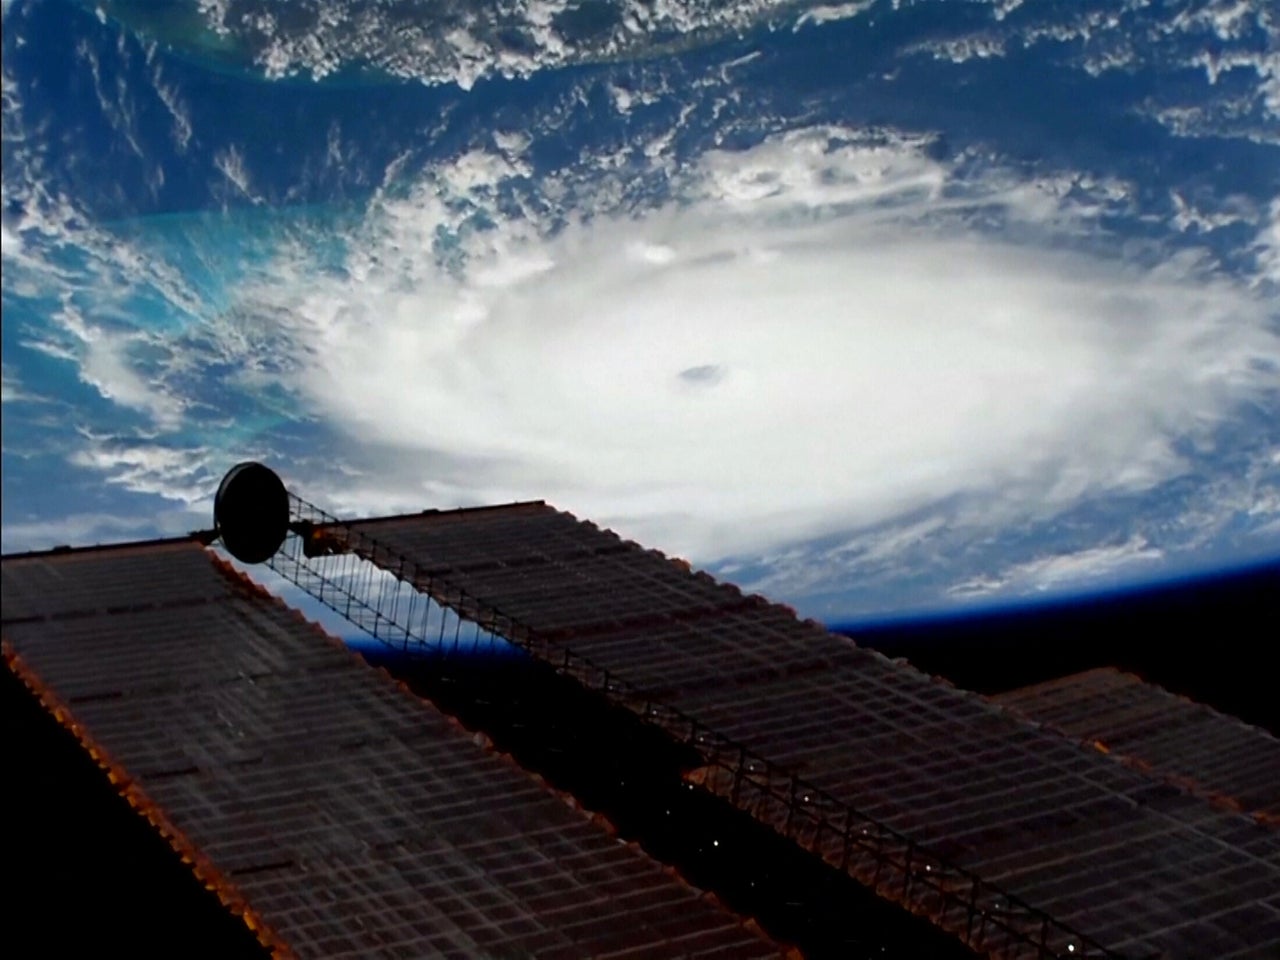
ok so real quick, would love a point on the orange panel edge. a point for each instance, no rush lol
(201, 866)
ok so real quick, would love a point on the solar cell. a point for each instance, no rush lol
(1211, 753)
(341, 815)
(1017, 839)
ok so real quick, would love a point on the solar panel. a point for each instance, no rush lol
(1019, 840)
(1208, 752)
(339, 814)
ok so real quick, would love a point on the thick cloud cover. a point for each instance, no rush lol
(816, 334)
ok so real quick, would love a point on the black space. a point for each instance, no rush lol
(83, 873)
(1211, 639)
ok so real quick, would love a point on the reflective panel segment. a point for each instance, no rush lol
(337, 812)
(1208, 752)
(1020, 840)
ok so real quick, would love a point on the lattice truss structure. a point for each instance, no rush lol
(1021, 836)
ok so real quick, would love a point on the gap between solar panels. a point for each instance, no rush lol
(419, 613)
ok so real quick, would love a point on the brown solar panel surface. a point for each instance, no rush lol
(1141, 866)
(1212, 753)
(352, 818)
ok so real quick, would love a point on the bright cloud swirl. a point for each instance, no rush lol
(810, 338)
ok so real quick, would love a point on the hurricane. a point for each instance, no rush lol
(878, 306)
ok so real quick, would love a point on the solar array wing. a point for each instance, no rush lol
(1019, 840)
(335, 811)
(1187, 742)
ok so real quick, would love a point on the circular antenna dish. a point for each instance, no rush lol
(251, 512)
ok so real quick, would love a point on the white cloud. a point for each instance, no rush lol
(1269, 245)
(185, 475)
(828, 13)
(83, 529)
(10, 243)
(230, 163)
(104, 364)
(873, 354)
(11, 390)
(1056, 571)
(1215, 37)
(178, 109)
(799, 571)
(461, 43)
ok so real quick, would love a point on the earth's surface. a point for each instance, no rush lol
(877, 307)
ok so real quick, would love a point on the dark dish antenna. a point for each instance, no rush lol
(336, 562)
(251, 512)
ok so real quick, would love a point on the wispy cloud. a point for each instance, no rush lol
(1055, 571)
(11, 389)
(801, 570)
(179, 473)
(104, 364)
(461, 43)
(1268, 244)
(89, 528)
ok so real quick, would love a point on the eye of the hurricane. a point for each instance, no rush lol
(705, 375)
